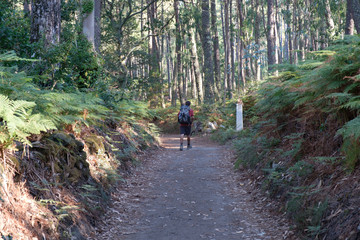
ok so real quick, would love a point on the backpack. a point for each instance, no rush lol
(184, 115)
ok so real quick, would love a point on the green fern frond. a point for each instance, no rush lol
(18, 122)
(353, 104)
(11, 56)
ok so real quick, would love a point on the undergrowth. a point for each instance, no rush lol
(62, 153)
(304, 136)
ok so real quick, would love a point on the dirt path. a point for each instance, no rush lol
(189, 195)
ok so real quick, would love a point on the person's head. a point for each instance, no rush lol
(187, 103)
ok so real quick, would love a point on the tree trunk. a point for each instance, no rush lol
(257, 38)
(231, 46)
(329, 19)
(241, 43)
(196, 66)
(216, 45)
(289, 31)
(271, 35)
(295, 33)
(97, 25)
(278, 32)
(227, 48)
(349, 26)
(45, 21)
(206, 43)
(169, 66)
(154, 66)
(356, 14)
(27, 7)
(178, 65)
(225, 84)
(89, 26)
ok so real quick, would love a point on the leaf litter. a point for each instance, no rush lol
(154, 199)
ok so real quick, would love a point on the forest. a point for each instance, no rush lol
(86, 86)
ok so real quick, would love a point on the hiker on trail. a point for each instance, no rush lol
(185, 118)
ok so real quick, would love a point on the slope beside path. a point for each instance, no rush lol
(189, 195)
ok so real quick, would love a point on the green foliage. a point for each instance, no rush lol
(224, 135)
(301, 169)
(351, 134)
(17, 121)
(14, 29)
(246, 152)
(295, 146)
(87, 6)
(68, 65)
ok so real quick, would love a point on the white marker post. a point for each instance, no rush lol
(239, 116)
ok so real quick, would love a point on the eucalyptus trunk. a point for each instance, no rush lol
(227, 48)
(231, 46)
(271, 35)
(355, 6)
(349, 25)
(206, 43)
(241, 42)
(89, 26)
(27, 7)
(216, 45)
(257, 37)
(329, 19)
(97, 25)
(45, 21)
(169, 68)
(196, 67)
(178, 65)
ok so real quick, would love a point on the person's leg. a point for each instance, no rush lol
(188, 134)
(182, 133)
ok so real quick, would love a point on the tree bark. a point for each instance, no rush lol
(227, 48)
(232, 57)
(329, 19)
(206, 43)
(216, 45)
(196, 66)
(89, 26)
(355, 6)
(97, 25)
(178, 65)
(225, 83)
(241, 43)
(271, 35)
(45, 21)
(349, 26)
(27, 7)
(257, 38)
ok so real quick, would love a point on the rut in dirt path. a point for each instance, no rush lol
(188, 195)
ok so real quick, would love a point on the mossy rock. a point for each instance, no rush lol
(67, 140)
(68, 157)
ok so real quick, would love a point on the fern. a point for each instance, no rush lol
(351, 134)
(17, 121)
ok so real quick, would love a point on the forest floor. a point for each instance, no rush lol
(190, 195)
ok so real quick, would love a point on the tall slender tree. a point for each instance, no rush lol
(207, 49)
(97, 33)
(215, 44)
(271, 34)
(349, 24)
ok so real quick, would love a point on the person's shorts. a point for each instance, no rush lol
(186, 130)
